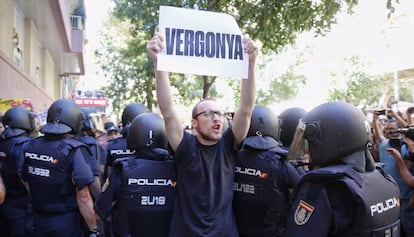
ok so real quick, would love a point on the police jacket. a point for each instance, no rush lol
(340, 201)
(55, 168)
(117, 148)
(143, 187)
(93, 153)
(261, 198)
(11, 162)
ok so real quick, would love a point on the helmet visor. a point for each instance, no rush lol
(298, 147)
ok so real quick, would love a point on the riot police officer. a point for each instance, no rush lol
(344, 194)
(263, 179)
(143, 185)
(117, 148)
(94, 155)
(58, 176)
(18, 122)
(95, 151)
(289, 119)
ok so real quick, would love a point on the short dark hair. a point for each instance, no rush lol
(194, 112)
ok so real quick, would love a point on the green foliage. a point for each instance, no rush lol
(275, 24)
(360, 87)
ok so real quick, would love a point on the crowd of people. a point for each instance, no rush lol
(324, 172)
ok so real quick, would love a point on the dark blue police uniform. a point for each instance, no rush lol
(143, 188)
(340, 201)
(263, 180)
(93, 154)
(54, 168)
(13, 212)
(117, 148)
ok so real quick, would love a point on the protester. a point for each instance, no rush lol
(205, 161)
(344, 194)
(143, 185)
(58, 176)
(407, 211)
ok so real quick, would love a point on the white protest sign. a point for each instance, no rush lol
(201, 42)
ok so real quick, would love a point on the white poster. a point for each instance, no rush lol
(201, 42)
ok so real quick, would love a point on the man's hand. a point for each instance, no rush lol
(155, 46)
(395, 154)
(250, 48)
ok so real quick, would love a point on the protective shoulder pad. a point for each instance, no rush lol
(333, 173)
(74, 143)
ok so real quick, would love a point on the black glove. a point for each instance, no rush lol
(94, 233)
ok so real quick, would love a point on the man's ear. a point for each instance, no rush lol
(194, 123)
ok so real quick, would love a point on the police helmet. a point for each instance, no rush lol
(63, 116)
(18, 120)
(88, 124)
(289, 119)
(335, 130)
(147, 131)
(264, 129)
(131, 111)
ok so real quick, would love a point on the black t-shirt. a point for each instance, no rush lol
(205, 177)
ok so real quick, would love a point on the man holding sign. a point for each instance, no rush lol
(205, 161)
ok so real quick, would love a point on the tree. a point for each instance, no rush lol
(274, 23)
(359, 87)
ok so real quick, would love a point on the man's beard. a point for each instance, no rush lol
(208, 137)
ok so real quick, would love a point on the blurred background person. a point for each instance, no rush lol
(407, 212)
(36, 131)
(387, 138)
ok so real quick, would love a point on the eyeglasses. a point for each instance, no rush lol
(210, 114)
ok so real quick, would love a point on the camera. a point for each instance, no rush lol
(380, 111)
(407, 132)
(396, 143)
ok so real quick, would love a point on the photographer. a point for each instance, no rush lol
(404, 161)
(387, 138)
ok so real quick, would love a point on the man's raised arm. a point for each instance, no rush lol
(241, 121)
(172, 122)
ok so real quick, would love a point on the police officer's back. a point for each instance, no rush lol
(263, 178)
(19, 122)
(95, 152)
(344, 194)
(143, 185)
(58, 176)
(117, 147)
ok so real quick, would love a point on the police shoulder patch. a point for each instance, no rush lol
(303, 212)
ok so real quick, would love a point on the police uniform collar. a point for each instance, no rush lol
(153, 154)
(260, 142)
(10, 132)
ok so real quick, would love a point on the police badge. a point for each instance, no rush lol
(303, 213)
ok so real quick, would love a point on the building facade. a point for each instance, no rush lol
(41, 50)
